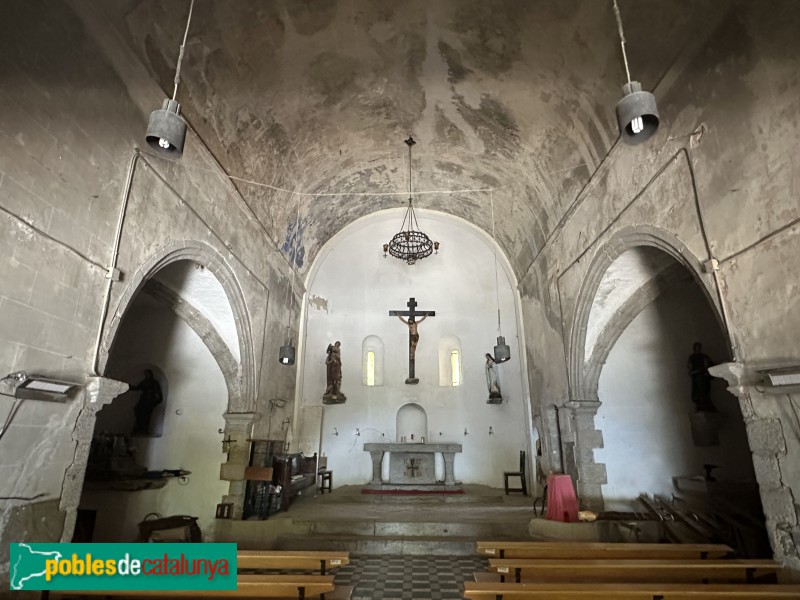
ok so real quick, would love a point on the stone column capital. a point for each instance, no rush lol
(239, 421)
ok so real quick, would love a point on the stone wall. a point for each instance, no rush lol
(73, 116)
(715, 182)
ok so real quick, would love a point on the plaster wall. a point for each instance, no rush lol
(645, 391)
(73, 111)
(194, 403)
(348, 304)
(716, 181)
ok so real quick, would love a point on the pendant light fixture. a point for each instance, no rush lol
(637, 113)
(410, 244)
(502, 352)
(166, 129)
(286, 354)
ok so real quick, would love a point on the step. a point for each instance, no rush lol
(381, 545)
(500, 499)
(375, 528)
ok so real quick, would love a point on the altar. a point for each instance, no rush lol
(412, 464)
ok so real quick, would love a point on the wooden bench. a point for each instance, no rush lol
(628, 591)
(633, 570)
(290, 559)
(249, 586)
(587, 550)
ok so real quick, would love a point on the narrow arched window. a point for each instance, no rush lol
(370, 367)
(455, 367)
(372, 361)
(450, 368)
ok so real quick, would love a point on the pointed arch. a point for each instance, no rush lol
(241, 385)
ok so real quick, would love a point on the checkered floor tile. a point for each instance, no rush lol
(409, 577)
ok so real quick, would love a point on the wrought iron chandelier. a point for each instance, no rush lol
(410, 244)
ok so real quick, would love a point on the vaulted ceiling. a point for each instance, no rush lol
(316, 96)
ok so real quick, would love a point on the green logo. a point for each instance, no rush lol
(123, 566)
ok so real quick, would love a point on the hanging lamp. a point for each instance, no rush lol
(166, 129)
(286, 353)
(637, 113)
(502, 352)
(410, 244)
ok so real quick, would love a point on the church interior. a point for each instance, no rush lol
(322, 274)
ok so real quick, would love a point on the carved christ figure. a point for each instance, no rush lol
(413, 334)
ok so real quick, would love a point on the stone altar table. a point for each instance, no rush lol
(412, 464)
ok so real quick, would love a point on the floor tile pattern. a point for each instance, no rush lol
(409, 577)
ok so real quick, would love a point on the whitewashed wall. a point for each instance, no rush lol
(352, 288)
(151, 335)
(646, 394)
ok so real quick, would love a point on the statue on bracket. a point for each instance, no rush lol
(697, 365)
(151, 396)
(333, 369)
(495, 396)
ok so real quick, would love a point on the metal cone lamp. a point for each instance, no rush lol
(166, 129)
(502, 352)
(637, 112)
(286, 353)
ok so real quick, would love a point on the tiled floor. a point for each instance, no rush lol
(409, 577)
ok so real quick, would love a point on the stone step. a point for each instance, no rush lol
(368, 527)
(500, 499)
(381, 545)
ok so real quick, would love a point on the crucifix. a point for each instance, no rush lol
(413, 335)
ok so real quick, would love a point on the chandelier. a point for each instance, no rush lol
(410, 244)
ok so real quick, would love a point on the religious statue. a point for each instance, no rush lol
(151, 397)
(413, 334)
(495, 396)
(333, 370)
(698, 365)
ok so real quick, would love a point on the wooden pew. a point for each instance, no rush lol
(628, 591)
(632, 570)
(249, 586)
(587, 550)
(291, 559)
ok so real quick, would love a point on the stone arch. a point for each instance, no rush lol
(583, 377)
(243, 383)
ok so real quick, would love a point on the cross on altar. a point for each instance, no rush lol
(413, 335)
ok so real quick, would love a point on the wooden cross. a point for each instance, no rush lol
(412, 466)
(413, 335)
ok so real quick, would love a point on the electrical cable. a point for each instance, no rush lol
(622, 40)
(496, 280)
(180, 52)
(34, 497)
(10, 416)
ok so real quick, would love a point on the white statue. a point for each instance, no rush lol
(495, 396)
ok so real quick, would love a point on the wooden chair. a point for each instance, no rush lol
(520, 474)
(325, 480)
(608, 550)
